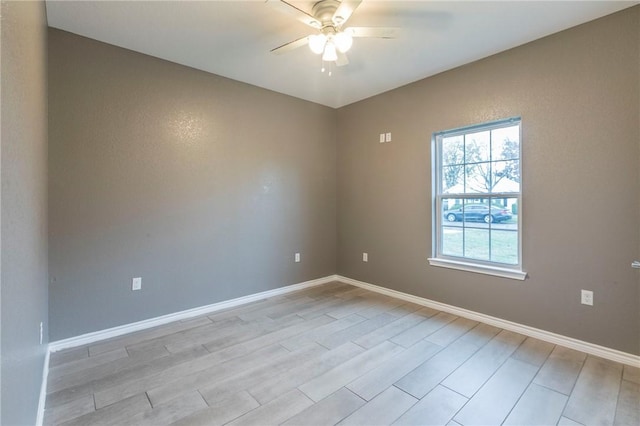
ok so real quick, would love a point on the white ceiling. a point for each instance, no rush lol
(233, 38)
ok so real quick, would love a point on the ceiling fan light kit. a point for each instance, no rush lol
(343, 41)
(317, 42)
(329, 54)
(326, 46)
(328, 17)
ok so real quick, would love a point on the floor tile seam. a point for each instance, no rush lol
(457, 393)
(417, 400)
(392, 322)
(404, 392)
(277, 342)
(270, 365)
(551, 389)
(146, 394)
(345, 330)
(531, 363)
(351, 392)
(129, 335)
(387, 360)
(573, 420)
(230, 310)
(93, 382)
(575, 382)
(582, 363)
(564, 407)
(450, 373)
(273, 311)
(280, 343)
(302, 390)
(155, 375)
(424, 319)
(249, 371)
(78, 371)
(615, 410)
(426, 339)
(267, 333)
(486, 342)
(242, 309)
(538, 368)
(360, 346)
(488, 378)
(341, 364)
(328, 396)
(439, 383)
(631, 382)
(170, 335)
(60, 353)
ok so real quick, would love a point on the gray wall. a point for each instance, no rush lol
(203, 186)
(578, 95)
(23, 208)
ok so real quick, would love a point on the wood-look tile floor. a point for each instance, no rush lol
(336, 354)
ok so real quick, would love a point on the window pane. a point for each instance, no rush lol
(476, 147)
(504, 246)
(478, 178)
(505, 176)
(453, 179)
(475, 211)
(476, 243)
(452, 241)
(452, 150)
(505, 143)
(451, 210)
(504, 213)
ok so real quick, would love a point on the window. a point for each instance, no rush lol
(477, 199)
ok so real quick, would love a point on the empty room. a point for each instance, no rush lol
(356, 212)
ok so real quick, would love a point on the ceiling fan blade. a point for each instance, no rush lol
(342, 59)
(290, 46)
(372, 32)
(298, 14)
(344, 11)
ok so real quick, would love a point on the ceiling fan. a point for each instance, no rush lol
(328, 17)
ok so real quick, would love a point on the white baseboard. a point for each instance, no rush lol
(547, 336)
(96, 336)
(43, 388)
(569, 342)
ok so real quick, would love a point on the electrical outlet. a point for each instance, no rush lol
(365, 257)
(297, 257)
(136, 284)
(587, 297)
(387, 137)
(41, 332)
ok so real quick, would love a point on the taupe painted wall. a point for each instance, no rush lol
(579, 98)
(206, 187)
(23, 208)
(203, 186)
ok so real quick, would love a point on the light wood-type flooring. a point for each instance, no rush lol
(335, 354)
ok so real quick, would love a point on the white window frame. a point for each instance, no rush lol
(463, 263)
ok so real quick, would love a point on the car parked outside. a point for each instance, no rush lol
(478, 212)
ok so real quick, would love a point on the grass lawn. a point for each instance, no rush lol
(481, 243)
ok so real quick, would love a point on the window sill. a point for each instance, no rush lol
(479, 269)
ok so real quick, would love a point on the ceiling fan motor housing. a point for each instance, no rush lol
(324, 10)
